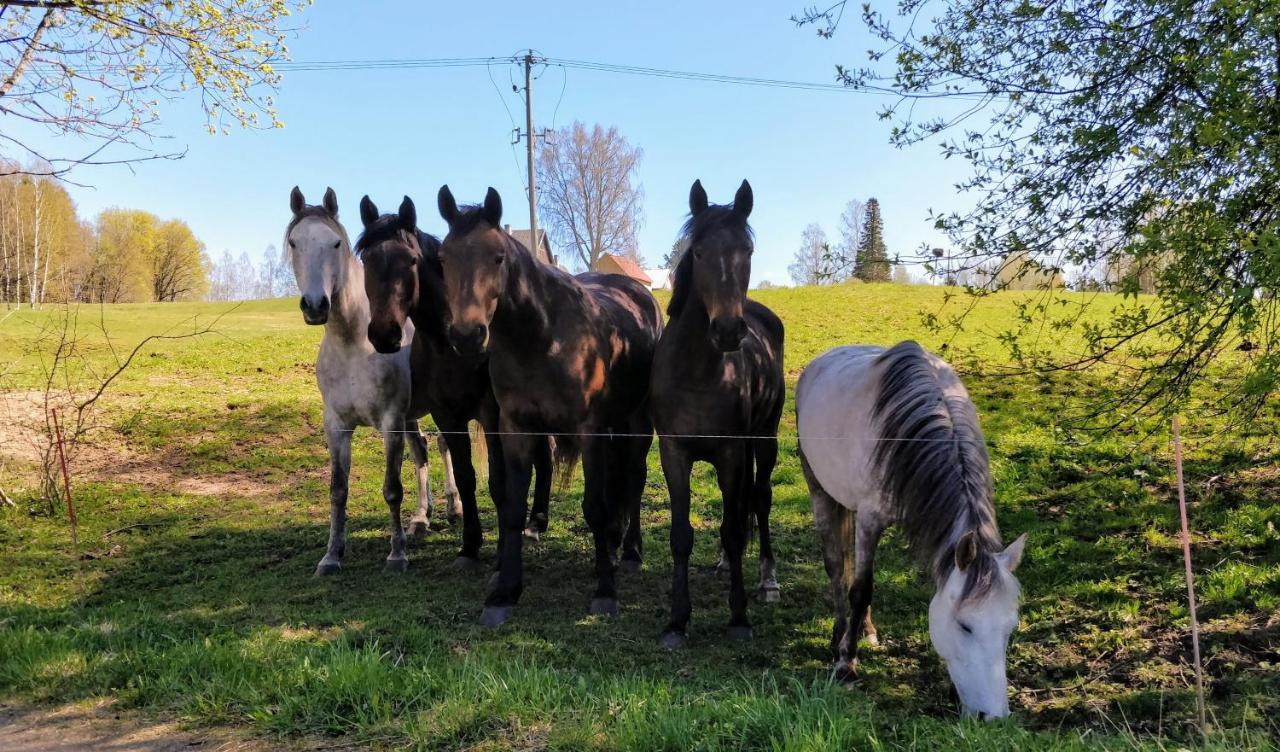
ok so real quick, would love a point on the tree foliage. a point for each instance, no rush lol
(1108, 135)
(811, 265)
(588, 194)
(99, 71)
(871, 262)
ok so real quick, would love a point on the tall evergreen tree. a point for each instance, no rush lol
(871, 263)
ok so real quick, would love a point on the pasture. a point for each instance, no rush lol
(203, 511)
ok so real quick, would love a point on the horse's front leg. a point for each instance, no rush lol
(420, 522)
(458, 442)
(339, 438)
(517, 460)
(393, 492)
(543, 470)
(676, 467)
(452, 497)
(868, 527)
(732, 473)
(766, 456)
(635, 464)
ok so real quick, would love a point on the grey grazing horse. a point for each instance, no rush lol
(891, 436)
(360, 386)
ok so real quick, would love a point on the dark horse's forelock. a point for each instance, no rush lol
(384, 228)
(470, 216)
(933, 464)
(697, 226)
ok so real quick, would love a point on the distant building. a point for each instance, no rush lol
(622, 265)
(661, 279)
(543, 250)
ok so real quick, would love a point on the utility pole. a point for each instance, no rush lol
(529, 137)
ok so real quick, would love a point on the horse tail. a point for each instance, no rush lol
(479, 444)
(565, 452)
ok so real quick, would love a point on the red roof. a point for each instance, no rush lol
(628, 267)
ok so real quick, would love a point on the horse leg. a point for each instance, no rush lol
(542, 471)
(517, 459)
(458, 442)
(420, 522)
(868, 526)
(732, 473)
(635, 468)
(598, 511)
(452, 498)
(676, 466)
(766, 456)
(339, 469)
(393, 492)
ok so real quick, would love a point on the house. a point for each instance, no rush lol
(542, 252)
(661, 278)
(612, 264)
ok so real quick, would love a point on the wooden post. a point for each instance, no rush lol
(531, 153)
(1186, 560)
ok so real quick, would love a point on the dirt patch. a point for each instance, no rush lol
(102, 728)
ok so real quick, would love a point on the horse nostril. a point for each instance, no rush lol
(982, 716)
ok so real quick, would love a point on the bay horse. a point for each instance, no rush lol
(569, 356)
(404, 282)
(359, 386)
(717, 376)
(891, 436)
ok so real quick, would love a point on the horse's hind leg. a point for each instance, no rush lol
(766, 456)
(452, 498)
(732, 474)
(635, 470)
(598, 510)
(458, 441)
(393, 492)
(420, 522)
(835, 531)
(339, 470)
(542, 475)
(676, 466)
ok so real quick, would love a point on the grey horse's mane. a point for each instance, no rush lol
(933, 465)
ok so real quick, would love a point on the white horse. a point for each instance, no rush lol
(359, 386)
(891, 436)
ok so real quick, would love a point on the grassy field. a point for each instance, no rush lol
(203, 510)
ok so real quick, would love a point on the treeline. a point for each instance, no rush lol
(48, 254)
(859, 255)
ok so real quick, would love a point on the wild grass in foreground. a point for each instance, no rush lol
(204, 510)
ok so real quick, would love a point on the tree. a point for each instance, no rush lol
(872, 258)
(852, 225)
(276, 275)
(121, 259)
(39, 234)
(810, 266)
(902, 275)
(98, 70)
(1157, 118)
(672, 258)
(588, 195)
(178, 264)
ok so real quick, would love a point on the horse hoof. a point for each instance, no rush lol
(467, 564)
(328, 568)
(872, 639)
(673, 640)
(397, 565)
(739, 632)
(604, 606)
(769, 594)
(845, 673)
(419, 527)
(630, 566)
(495, 616)
(532, 534)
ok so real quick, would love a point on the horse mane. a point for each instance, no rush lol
(933, 464)
(387, 227)
(697, 226)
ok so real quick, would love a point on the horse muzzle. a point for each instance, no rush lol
(315, 311)
(469, 339)
(727, 334)
(385, 340)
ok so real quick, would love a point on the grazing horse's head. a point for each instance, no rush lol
(474, 273)
(971, 616)
(716, 266)
(317, 244)
(390, 252)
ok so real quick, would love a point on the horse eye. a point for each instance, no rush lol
(967, 629)
(292, 244)
(498, 259)
(337, 243)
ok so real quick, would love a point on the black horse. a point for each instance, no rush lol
(717, 374)
(568, 356)
(403, 279)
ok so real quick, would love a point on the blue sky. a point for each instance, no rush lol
(392, 132)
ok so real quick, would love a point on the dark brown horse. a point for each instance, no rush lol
(717, 374)
(568, 356)
(403, 279)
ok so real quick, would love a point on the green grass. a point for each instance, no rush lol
(201, 601)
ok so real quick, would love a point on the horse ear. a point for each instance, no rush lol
(966, 551)
(493, 207)
(743, 200)
(448, 207)
(331, 202)
(1012, 556)
(697, 198)
(368, 211)
(296, 202)
(408, 215)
